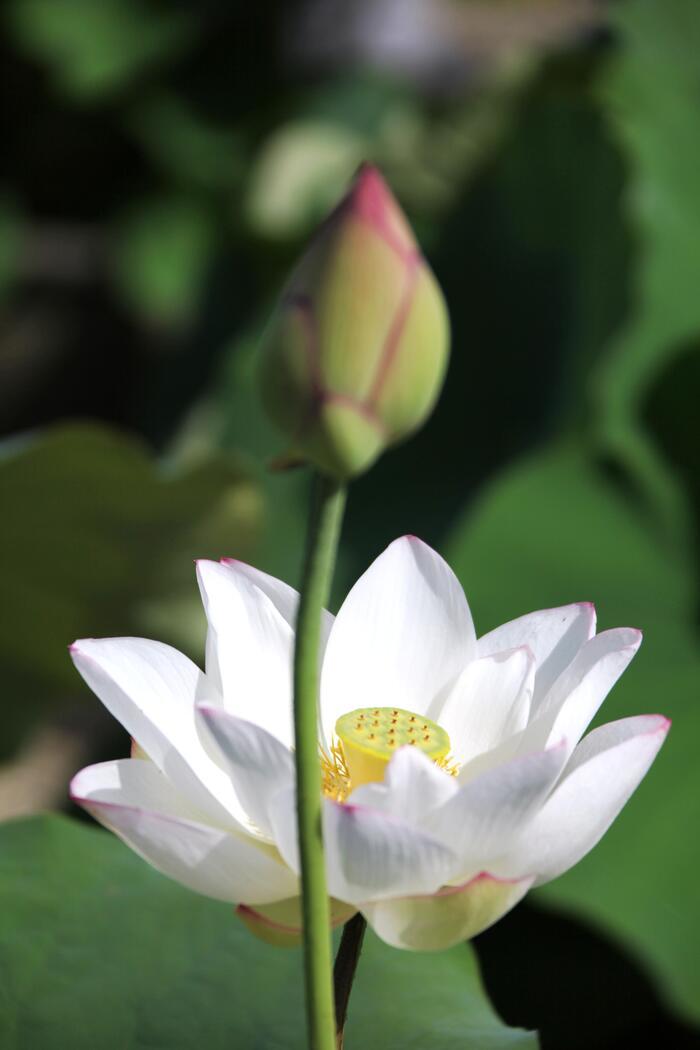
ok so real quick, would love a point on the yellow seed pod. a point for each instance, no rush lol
(356, 352)
(370, 736)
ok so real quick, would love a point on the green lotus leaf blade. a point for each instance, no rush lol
(94, 50)
(97, 949)
(648, 93)
(162, 250)
(98, 538)
(185, 146)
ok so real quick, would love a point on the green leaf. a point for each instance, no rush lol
(163, 248)
(649, 93)
(94, 49)
(99, 950)
(556, 529)
(301, 172)
(98, 539)
(188, 149)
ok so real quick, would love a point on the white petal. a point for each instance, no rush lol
(485, 814)
(152, 689)
(283, 818)
(553, 635)
(489, 702)
(412, 788)
(133, 799)
(252, 647)
(448, 917)
(258, 764)
(133, 782)
(602, 774)
(611, 735)
(508, 748)
(577, 694)
(284, 598)
(369, 855)
(402, 636)
(569, 706)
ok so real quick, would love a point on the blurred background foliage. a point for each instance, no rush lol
(162, 165)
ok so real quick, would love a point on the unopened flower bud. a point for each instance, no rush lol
(356, 352)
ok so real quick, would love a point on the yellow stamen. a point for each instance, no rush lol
(448, 765)
(334, 772)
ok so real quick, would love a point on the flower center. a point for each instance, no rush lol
(369, 737)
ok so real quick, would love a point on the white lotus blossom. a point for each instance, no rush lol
(454, 773)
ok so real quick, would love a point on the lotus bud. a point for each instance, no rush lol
(355, 355)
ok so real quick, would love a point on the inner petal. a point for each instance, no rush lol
(370, 736)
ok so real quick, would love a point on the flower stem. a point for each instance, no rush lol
(322, 544)
(344, 971)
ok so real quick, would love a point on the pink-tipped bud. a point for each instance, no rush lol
(355, 355)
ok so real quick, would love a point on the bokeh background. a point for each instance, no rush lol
(162, 164)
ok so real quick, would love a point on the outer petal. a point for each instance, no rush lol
(280, 923)
(489, 702)
(132, 799)
(151, 689)
(259, 765)
(401, 637)
(283, 597)
(604, 771)
(453, 914)
(553, 635)
(412, 788)
(369, 855)
(249, 649)
(482, 818)
(570, 704)
(578, 693)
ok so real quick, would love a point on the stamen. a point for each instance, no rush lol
(448, 765)
(334, 773)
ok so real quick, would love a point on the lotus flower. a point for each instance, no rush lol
(454, 773)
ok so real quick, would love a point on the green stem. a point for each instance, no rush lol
(322, 544)
(344, 971)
